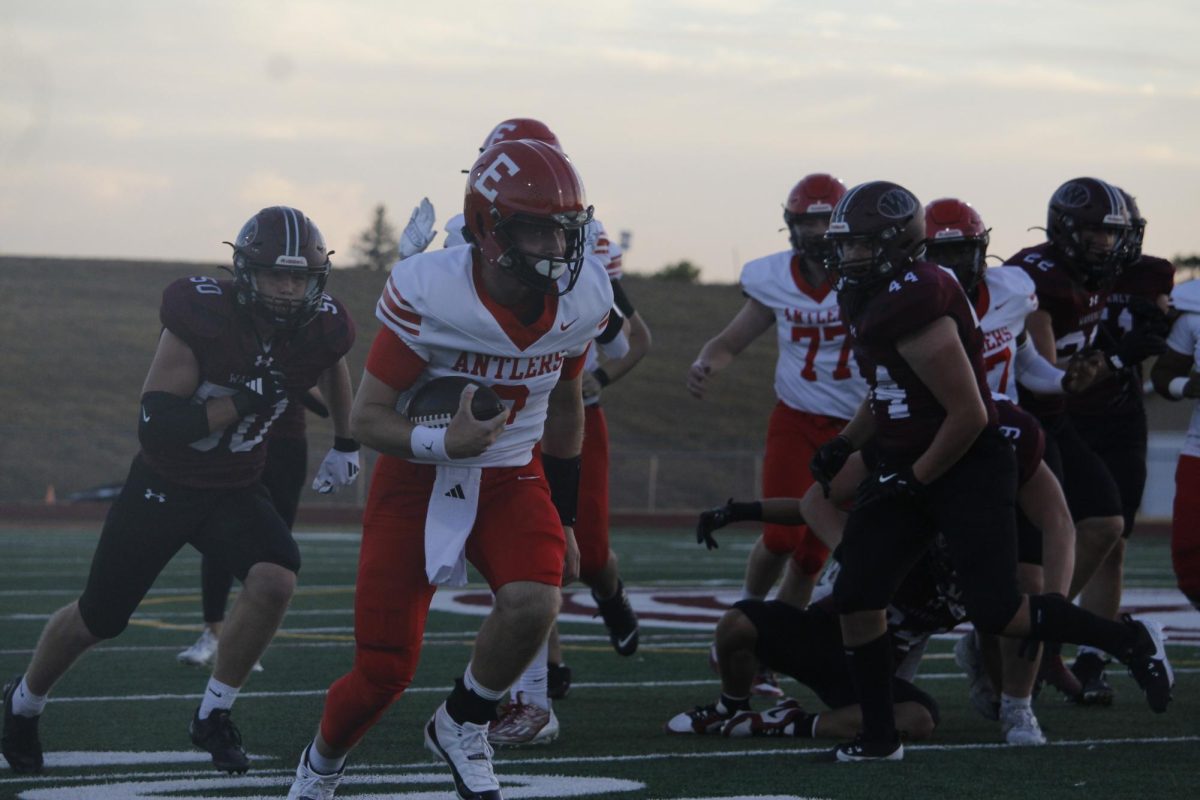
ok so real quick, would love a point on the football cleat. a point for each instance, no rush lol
(970, 660)
(202, 653)
(863, 750)
(465, 749)
(766, 685)
(1094, 689)
(779, 720)
(702, 719)
(1149, 665)
(312, 785)
(523, 723)
(1020, 727)
(20, 744)
(558, 680)
(1054, 672)
(621, 621)
(221, 738)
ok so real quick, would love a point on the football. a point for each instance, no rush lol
(435, 403)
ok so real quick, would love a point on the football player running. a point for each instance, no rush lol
(816, 387)
(1175, 377)
(938, 462)
(517, 310)
(231, 357)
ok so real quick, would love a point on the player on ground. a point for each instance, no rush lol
(1175, 377)
(816, 386)
(283, 476)
(1088, 230)
(516, 310)
(230, 359)
(938, 463)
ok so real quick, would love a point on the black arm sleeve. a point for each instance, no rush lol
(166, 420)
(621, 300)
(563, 476)
(612, 330)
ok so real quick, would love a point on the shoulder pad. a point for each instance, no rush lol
(197, 308)
(1186, 296)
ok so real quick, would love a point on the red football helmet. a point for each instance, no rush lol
(888, 221)
(525, 190)
(280, 238)
(1083, 205)
(813, 197)
(957, 239)
(520, 128)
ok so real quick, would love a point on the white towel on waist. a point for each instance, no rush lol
(453, 504)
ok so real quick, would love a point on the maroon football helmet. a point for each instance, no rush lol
(812, 198)
(280, 239)
(520, 128)
(887, 221)
(956, 238)
(527, 190)
(1083, 204)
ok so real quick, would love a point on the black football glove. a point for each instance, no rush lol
(1135, 347)
(1149, 317)
(888, 483)
(721, 516)
(829, 460)
(260, 394)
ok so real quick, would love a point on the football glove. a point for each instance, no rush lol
(721, 516)
(1135, 347)
(339, 468)
(260, 394)
(418, 233)
(888, 483)
(1149, 317)
(829, 460)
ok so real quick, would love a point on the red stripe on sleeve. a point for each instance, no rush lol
(394, 362)
(574, 365)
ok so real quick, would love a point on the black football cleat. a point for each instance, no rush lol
(558, 680)
(20, 743)
(621, 621)
(222, 739)
(1094, 689)
(1149, 665)
(863, 750)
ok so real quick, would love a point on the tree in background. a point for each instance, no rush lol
(376, 246)
(1186, 266)
(683, 271)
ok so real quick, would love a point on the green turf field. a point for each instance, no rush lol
(116, 726)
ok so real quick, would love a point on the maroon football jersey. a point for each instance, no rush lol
(907, 416)
(202, 312)
(1149, 278)
(1074, 314)
(291, 423)
(1025, 434)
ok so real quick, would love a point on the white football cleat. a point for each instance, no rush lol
(202, 653)
(523, 723)
(312, 785)
(1020, 727)
(466, 751)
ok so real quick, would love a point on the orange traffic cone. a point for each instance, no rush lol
(50, 497)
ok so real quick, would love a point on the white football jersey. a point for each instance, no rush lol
(1007, 296)
(815, 371)
(1185, 340)
(435, 303)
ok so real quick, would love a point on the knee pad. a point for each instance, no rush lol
(989, 613)
(383, 672)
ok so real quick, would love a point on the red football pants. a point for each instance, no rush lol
(517, 537)
(1185, 528)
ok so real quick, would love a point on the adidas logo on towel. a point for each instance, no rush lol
(457, 492)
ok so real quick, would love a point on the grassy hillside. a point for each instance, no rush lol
(79, 334)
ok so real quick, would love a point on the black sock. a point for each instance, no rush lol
(733, 704)
(805, 727)
(871, 667)
(463, 705)
(1053, 618)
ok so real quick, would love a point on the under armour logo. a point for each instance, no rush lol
(152, 495)
(263, 361)
(457, 492)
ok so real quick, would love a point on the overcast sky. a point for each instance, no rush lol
(154, 129)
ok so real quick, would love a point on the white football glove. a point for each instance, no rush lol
(337, 471)
(418, 233)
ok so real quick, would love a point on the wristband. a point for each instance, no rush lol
(344, 444)
(1176, 386)
(601, 377)
(745, 512)
(428, 443)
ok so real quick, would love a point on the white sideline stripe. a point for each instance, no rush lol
(424, 765)
(935, 676)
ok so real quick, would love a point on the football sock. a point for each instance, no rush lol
(1008, 702)
(533, 683)
(871, 668)
(470, 702)
(806, 726)
(1052, 617)
(218, 696)
(25, 703)
(730, 704)
(321, 764)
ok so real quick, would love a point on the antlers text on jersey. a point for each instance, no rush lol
(503, 368)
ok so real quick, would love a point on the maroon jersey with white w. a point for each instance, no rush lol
(202, 312)
(1149, 278)
(1074, 314)
(907, 415)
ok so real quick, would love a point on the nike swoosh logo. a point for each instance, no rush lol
(215, 693)
(145, 416)
(562, 326)
(886, 478)
(1000, 305)
(627, 639)
(429, 447)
